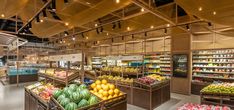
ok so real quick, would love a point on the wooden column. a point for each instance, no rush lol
(82, 66)
(181, 44)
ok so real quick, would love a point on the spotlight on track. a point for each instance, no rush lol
(114, 26)
(44, 13)
(97, 31)
(30, 25)
(209, 24)
(101, 30)
(145, 33)
(66, 33)
(53, 5)
(82, 34)
(165, 30)
(37, 19)
(119, 24)
(187, 27)
(65, 1)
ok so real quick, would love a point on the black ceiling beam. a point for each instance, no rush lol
(36, 14)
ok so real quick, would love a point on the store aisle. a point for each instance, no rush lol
(176, 101)
(12, 98)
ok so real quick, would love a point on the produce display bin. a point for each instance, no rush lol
(196, 87)
(117, 103)
(217, 99)
(54, 105)
(32, 102)
(126, 89)
(23, 78)
(64, 81)
(150, 97)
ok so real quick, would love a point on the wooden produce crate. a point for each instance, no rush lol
(117, 103)
(217, 99)
(64, 81)
(54, 105)
(151, 96)
(128, 89)
(196, 87)
(34, 103)
(23, 78)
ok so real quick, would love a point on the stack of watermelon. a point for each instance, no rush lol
(74, 97)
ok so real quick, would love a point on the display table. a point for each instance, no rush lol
(218, 94)
(150, 97)
(218, 99)
(61, 80)
(117, 103)
(145, 96)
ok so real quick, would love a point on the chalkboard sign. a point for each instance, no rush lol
(180, 65)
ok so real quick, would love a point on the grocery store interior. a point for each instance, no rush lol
(116, 55)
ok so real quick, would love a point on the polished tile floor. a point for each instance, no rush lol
(12, 98)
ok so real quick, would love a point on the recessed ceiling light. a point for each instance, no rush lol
(96, 25)
(87, 37)
(41, 20)
(168, 25)
(73, 38)
(152, 27)
(214, 13)
(200, 8)
(117, 1)
(107, 34)
(128, 28)
(66, 24)
(142, 9)
(2, 15)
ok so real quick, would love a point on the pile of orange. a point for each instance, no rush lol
(105, 90)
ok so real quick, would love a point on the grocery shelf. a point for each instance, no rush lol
(213, 72)
(153, 67)
(214, 62)
(165, 70)
(228, 67)
(213, 57)
(225, 53)
(210, 77)
(165, 66)
(165, 62)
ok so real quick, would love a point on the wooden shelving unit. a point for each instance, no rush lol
(158, 63)
(210, 66)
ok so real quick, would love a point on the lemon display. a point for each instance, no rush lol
(105, 90)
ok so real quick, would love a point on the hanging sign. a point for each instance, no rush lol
(126, 58)
(69, 57)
